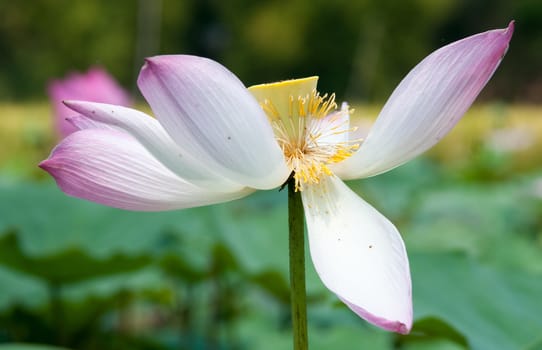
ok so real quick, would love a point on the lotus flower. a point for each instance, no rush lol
(96, 85)
(213, 140)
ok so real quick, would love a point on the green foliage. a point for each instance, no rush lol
(432, 327)
(493, 308)
(78, 275)
(28, 347)
(42, 40)
(69, 266)
(218, 275)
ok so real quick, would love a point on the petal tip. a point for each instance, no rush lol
(154, 61)
(43, 164)
(402, 327)
(507, 36)
(148, 61)
(511, 27)
(71, 104)
(508, 31)
(78, 106)
(150, 65)
(47, 165)
(74, 121)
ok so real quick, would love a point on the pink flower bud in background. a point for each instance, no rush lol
(95, 85)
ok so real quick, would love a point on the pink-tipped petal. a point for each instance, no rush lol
(209, 112)
(359, 255)
(428, 103)
(95, 85)
(110, 167)
(57, 92)
(152, 135)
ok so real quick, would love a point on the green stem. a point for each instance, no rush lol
(297, 267)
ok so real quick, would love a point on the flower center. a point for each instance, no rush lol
(310, 130)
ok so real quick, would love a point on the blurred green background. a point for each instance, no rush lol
(81, 276)
(360, 49)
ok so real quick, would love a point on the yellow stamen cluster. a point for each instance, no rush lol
(304, 135)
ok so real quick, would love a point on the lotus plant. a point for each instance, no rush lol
(213, 140)
(96, 85)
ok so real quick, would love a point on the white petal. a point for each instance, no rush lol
(210, 113)
(428, 103)
(335, 126)
(359, 255)
(110, 167)
(150, 134)
(81, 122)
